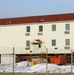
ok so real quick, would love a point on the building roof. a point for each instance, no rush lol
(36, 19)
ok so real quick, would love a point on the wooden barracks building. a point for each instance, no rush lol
(32, 35)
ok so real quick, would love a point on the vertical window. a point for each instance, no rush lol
(67, 42)
(54, 42)
(28, 29)
(40, 28)
(67, 26)
(28, 43)
(53, 27)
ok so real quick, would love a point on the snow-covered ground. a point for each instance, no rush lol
(39, 68)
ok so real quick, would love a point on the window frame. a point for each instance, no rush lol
(67, 42)
(53, 42)
(27, 43)
(67, 26)
(41, 28)
(54, 27)
(27, 28)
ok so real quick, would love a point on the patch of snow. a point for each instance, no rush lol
(38, 68)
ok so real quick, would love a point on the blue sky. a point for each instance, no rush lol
(22, 8)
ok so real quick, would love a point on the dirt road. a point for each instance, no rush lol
(33, 74)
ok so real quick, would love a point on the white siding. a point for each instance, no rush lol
(7, 59)
(14, 35)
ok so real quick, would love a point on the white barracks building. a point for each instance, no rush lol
(32, 35)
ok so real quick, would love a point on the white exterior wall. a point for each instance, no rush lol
(14, 35)
(7, 59)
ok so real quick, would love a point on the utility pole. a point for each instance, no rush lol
(13, 60)
(71, 60)
(46, 61)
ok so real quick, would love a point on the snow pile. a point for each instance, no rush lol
(52, 68)
(38, 68)
(23, 63)
(19, 67)
(42, 67)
